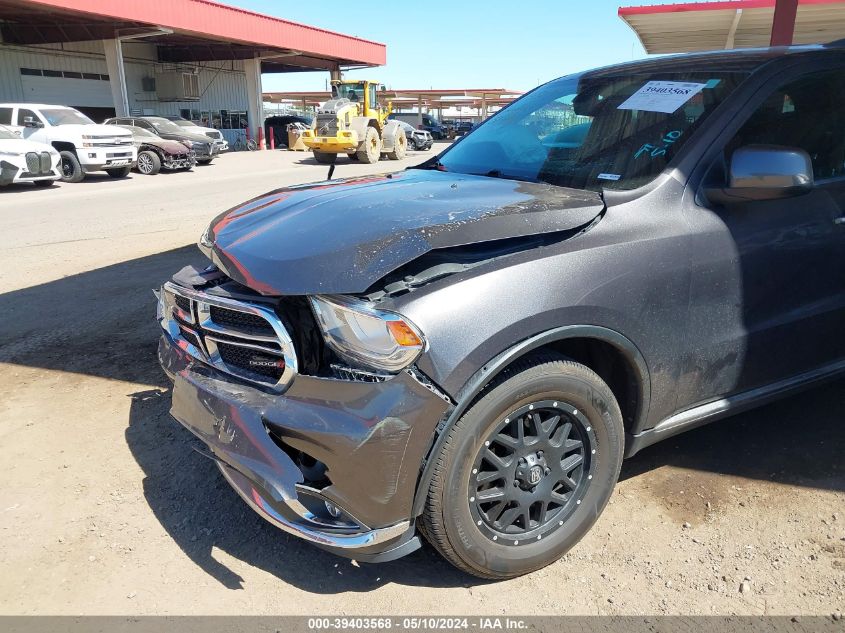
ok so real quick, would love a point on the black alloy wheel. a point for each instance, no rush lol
(526, 470)
(71, 169)
(531, 472)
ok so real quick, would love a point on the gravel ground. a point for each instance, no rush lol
(104, 509)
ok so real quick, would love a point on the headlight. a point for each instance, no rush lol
(205, 239)
(362, 335)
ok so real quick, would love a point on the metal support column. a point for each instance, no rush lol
(255, 103)
(117, 76)
(419, 112)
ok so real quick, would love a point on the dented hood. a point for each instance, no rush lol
(342, 236)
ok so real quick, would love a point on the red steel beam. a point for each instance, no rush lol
(783, 23)
(212, 20)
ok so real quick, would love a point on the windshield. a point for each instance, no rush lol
(165, 126)
(593, 132)
(66, 116)
(353, 92)
(6, 133)
(139, 131)
(184, 123)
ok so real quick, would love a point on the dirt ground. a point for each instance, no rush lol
(105, 509)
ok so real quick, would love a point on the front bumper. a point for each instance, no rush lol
(179, 162)
(206, 155)
(99, 158)
(12, 173)
(344, 142)
(372, 437)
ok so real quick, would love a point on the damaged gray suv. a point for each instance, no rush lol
(465, 351)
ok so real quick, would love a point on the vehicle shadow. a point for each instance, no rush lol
(19, 187)
(308, 159)
(796, 441)
(100, 177)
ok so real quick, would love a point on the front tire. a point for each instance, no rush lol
(148, 163)
(325, 158)
(400, 147)
(369, 151)
(205, 161)
(71, 169)
(526, 471)
(121, 172)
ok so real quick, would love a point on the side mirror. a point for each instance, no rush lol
(29, 121)
(765, 172)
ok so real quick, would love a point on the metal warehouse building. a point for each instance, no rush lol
(195, 58)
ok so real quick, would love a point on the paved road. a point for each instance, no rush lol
(105, 509)
(83, 226)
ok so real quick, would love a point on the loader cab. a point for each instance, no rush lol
(361, 92)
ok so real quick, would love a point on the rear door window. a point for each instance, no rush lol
(5, 116)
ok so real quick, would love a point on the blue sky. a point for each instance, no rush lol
(440, 44)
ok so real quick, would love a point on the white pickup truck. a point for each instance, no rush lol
(84, 146)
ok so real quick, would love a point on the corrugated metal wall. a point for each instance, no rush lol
(222, 84)
(89, 58)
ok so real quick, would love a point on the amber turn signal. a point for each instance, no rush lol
(403, 334)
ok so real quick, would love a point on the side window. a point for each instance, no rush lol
(5, 116)
(807, 114)
(23, 113)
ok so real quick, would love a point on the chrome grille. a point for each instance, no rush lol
(251, 323)
(46, 162)
(251, 360)
(247, 340)
(33, 163)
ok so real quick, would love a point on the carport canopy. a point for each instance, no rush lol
(478, 98)
(700, 26)
(185, 31)
(188, 31)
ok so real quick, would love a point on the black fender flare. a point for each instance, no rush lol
(480, 379)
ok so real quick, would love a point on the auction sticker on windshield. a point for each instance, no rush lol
(662, 96)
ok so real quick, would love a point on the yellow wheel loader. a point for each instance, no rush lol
(353, 123)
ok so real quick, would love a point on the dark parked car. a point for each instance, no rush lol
(464, 127)
(204, 148)
(419, 140)
(215, 135)
(277, 127)
(156, 153)
(467, 350)
(429, 123)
